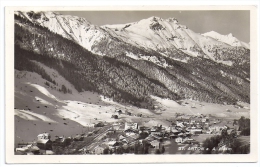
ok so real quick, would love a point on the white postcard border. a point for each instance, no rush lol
(9, 83)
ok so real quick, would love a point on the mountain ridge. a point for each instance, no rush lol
(164, 36)
(112, 64)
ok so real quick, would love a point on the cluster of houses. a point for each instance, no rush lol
(182, 131)
(125, 135)
(130, 135)
(43, 145)
(187, 126)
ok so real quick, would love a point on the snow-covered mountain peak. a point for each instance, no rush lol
(228, 39)
(154, 18)
(215, 34)
(211, 33)
(165, 36)
(75, 28)
(45, 16)
(230, 35)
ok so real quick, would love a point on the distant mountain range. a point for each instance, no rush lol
(130, 62)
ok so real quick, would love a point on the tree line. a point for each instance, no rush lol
(125, 79)
(87, 71)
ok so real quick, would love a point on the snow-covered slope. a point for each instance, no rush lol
(40, 108)
(71, 27)
(165, 36)
(229, 39)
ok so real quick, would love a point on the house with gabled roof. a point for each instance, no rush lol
(179, 140)
(44, 141)
(44, 144)
(100, 149)
(131, 125)
(44, 136)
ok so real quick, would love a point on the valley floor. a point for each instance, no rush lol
(40, 108)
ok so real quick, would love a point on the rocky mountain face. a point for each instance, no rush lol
(132, 61)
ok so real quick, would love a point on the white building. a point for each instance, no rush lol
(44, 136)
(131, 125)
(180, 125)
(179, 140)
(196, 131)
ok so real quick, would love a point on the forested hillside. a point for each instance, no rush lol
(84, 70)
(128, 80)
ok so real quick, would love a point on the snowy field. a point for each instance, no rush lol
(40, 108)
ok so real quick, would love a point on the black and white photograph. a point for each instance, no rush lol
(132, 82)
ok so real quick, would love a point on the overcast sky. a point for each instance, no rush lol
(236, 22)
